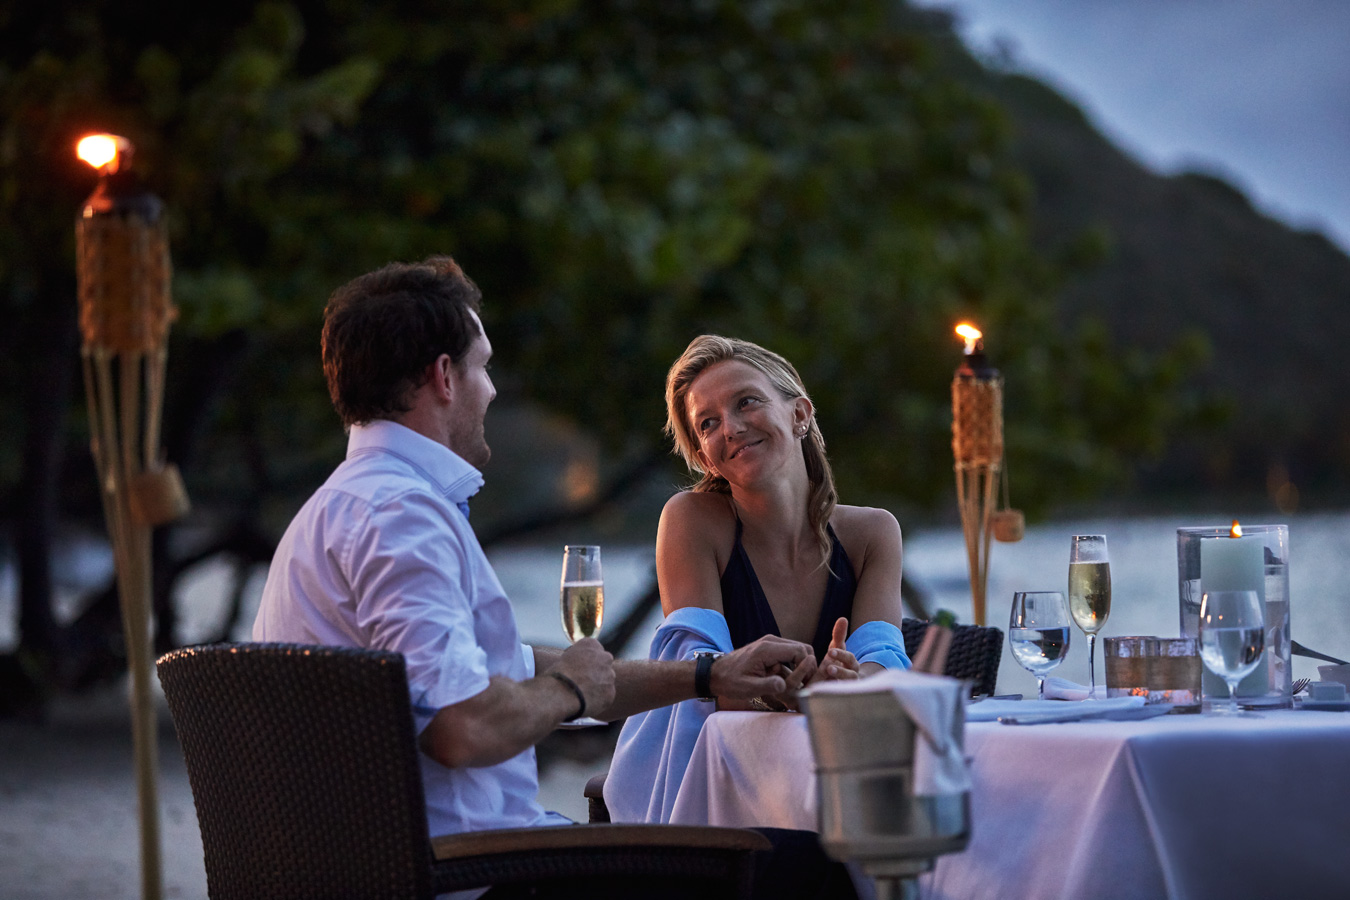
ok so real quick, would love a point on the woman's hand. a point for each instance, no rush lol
(838, 664)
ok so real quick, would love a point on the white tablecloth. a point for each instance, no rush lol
(1191, 807)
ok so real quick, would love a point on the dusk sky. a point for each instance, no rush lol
(1257, 92)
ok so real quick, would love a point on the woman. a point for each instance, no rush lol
(758, 546)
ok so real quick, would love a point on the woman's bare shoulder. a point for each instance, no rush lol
(863, 522)
(864, 529)
(705, 514)
(693, 544)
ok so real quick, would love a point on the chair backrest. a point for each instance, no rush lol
(975, 654)
(304, 770)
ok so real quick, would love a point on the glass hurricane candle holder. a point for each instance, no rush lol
(1258, 559)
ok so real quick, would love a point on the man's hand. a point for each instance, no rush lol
(591, 666)
(771, 666)
(511, 716)
(839, 664)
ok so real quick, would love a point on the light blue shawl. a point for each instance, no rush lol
(654, 747)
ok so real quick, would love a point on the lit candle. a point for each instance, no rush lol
(1234, 563)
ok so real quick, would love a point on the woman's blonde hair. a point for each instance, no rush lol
(709, 349)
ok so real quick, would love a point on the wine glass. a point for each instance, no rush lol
(1232, 637)
(1038, 632)
(583, 603)
(583, 592)
(1090, 593)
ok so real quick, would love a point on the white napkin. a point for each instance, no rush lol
(932, 702)
(1063, 689)
(991, 710)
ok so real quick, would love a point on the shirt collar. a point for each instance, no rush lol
(444, 468)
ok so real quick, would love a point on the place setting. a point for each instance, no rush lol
(1232, 659)
(1039, 636)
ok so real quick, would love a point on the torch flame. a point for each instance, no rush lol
(1236, 530)
(971, 334)
(103, 151)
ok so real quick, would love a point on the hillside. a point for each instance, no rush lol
(1189, 252)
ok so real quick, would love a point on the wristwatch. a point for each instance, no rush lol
(703, 663)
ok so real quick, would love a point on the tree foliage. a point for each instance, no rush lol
(618, 177)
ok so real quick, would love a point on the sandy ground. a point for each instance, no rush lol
(68, 817)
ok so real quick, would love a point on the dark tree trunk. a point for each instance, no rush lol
(197, 386)
(53, 343)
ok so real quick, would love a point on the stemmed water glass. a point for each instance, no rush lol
(1232, 637)
(1038, 632)
(1090, 593)
(582, 601)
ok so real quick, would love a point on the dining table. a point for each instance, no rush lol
(1180, 806)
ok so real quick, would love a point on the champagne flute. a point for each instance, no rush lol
(1232, 637)
(583, 602)
(1038, 632)
(1090, 593)
(583, 592)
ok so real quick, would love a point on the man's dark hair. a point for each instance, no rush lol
(382, 330)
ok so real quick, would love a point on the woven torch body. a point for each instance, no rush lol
(977, 448)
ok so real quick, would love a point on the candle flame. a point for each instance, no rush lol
(971, 334)
(1236, 530)
(103, 151)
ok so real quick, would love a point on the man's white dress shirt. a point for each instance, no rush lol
(382, 557)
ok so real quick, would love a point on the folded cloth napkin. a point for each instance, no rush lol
(1063, 689)
(991, 710)
(933, 703)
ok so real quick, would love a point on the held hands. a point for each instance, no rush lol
(770, 667)
(839, 664)
(591, 666)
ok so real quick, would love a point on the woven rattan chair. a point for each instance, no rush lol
(305, 775)
(974, 656)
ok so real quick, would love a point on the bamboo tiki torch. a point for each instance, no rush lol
(122, 260)
(977, 445)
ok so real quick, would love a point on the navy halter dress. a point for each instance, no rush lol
(747, 609)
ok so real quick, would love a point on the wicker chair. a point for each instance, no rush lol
(304, 771)
(975, 654)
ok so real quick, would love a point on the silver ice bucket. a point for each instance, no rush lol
(868, 811)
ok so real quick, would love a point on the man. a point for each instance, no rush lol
(383, 556)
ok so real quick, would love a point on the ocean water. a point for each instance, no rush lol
(1143, 570)
(1143, 574)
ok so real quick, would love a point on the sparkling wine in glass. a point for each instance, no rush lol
(583, 603)
(583, 592)
(1090, 593)
(1232, 637)
(1038, 632)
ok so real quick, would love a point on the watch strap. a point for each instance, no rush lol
(703, 663)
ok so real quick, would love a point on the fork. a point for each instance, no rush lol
(1299, 686)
